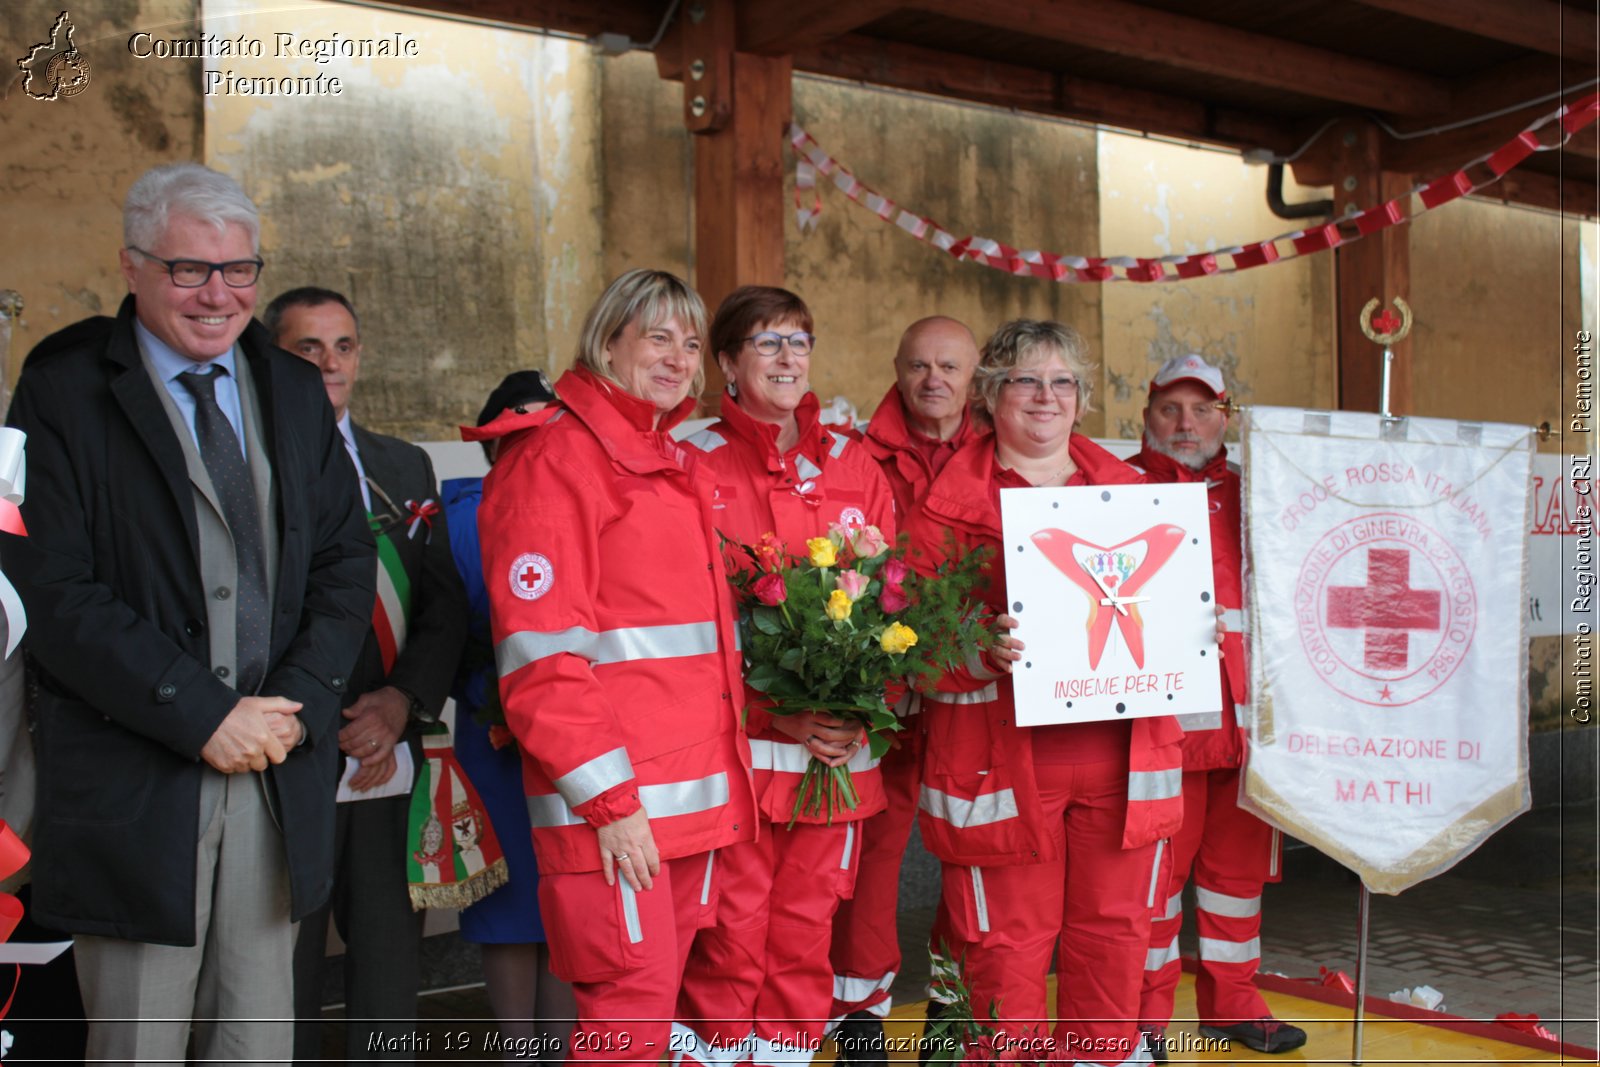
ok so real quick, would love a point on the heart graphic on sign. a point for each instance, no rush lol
(1111, 578)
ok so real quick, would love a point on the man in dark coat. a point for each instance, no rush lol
(400, 682)
(198, 578)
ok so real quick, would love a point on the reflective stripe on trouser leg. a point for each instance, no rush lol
(1234, 858)
(865, 953)
(622, 986)
(1159, 985)
(813, 867)
(725, 967)
(1105, 931)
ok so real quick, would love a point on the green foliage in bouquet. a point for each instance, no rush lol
(827, 631)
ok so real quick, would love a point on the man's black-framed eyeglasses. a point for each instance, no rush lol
(194, 273)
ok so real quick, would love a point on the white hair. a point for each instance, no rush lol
(185, 189)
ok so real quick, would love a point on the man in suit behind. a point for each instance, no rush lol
(198, 578)
(400, 682)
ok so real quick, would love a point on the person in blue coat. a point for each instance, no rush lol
(534, 1007)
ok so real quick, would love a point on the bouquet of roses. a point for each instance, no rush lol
(827, 630)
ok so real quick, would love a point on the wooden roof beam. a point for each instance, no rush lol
(779, 27)
(1533, 189)
(1541, 25)
(926, 70)
(581, 18)
(1193, 44)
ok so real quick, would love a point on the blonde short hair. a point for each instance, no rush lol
(1023, 343)
(648, 297)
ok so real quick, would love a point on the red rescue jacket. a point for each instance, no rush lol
(1212, 742)
(892, 442)
(614, 628)
(980, 803)
(825, 478)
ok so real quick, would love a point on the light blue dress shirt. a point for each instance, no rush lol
(170, 364)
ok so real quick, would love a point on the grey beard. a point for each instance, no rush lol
(1195, 461)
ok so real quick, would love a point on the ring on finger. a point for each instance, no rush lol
(622, 857)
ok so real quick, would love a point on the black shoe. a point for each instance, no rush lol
(1265, 1034)
(1155, 1039)
(860, 1040)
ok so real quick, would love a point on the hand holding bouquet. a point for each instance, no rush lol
(824, 632)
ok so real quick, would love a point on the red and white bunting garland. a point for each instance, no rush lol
(1558, 126)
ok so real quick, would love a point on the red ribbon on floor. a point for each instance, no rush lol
(14, 856)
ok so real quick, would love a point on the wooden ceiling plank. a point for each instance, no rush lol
(1541, 25)
(925, 70)
(777, 27)
(1187, 43)
(582, 18)
(1533, 189)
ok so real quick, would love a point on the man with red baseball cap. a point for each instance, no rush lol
(1231, 852)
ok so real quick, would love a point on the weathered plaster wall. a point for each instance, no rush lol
(866, 280)
(1269, 329)
(67, 163)
(1495, 295)
(453, 195)
(1022, 181)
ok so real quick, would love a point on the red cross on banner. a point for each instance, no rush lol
(1387, 608)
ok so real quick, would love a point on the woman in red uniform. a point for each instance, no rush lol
(614, 639)
(760, 979)
(1050, 837)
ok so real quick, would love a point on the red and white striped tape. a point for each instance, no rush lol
(1548, 133)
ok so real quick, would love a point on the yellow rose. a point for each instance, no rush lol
(897, 639)
(822, 552)
(839, 605)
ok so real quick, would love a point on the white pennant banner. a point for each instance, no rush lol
(1387, 580)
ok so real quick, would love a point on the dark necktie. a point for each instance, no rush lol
(230, 477)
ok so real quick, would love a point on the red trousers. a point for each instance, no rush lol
(758, 983)
(866, 934)
(1091, 905)
(624, 952)
(1232, 853)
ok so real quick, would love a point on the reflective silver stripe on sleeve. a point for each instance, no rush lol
(706, 440)
(979, 899)
(705, 886)
(768, 755)
(975, 665)
(977, 696)
(1200, 720)
(1223, 904)
(849, 845)
(1216, 951)
(1235, 620)
(1155, 874)
(987, 809)
(660, 801)
(806, 469)
(1155, 785)
(630, 911)
(1158, 957)
(583, 783)
(684, 798)
(606, 646)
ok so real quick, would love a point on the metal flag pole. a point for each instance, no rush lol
(1385, 330)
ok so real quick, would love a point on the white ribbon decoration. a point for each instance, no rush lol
(13, 487)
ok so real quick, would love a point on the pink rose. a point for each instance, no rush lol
(852, 583)
(770, 590)
(895, 571)
(893, 599)
(868, 542)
